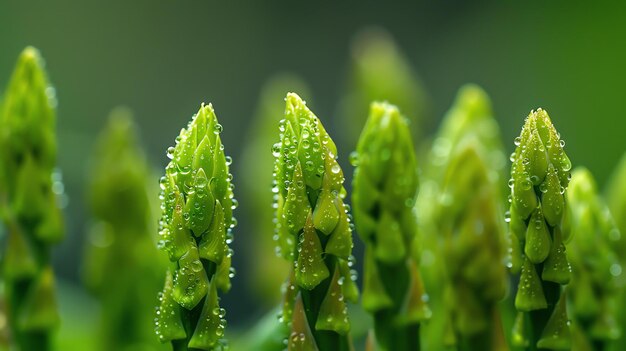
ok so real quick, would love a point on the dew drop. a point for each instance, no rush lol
(170, 152)
(217, 128)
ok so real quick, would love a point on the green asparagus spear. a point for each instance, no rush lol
(120, 246)
(463, 225)
(313, 232)
(539, 223)
(30, 203)
(385, 186)
(195, 229)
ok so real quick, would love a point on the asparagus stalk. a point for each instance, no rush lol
(463, 225)
(385, 186)
(538, 221)
(313, 232)
(595, 289)
(195, 230)
(120, 246)
(29, 201)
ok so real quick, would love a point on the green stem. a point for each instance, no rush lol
(389, 335)
(190, 321)
(16, 292)
(312, 300)
(26, 339)
(539, 318)
(390, 338)
(491, 338)
(596, 344)
(179, 345)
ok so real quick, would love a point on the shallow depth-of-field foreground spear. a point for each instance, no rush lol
(195, 229)
(463, 225)
(121, 245)
(29, 203)
(538, 220)
(595, 289)
(384, 190)
(313, 232)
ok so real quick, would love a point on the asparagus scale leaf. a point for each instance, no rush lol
(384, 190)
(195, 229)
(539, 225)
(313, 232)
(29, 203)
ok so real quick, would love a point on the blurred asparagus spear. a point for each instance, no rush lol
(595, 289)
(379, 72)
(30, 203)
(462, 223)
(267, 269)
(120, 246)
(384, 190)
(195, 230)
(314, 233)
(539, 223)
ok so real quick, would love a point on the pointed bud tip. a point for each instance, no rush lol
(385, 114)
(582, 182)
(539, 115)
(473, 98)
(30, 55)
(294, 99)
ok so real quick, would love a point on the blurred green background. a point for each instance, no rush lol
(163, 58)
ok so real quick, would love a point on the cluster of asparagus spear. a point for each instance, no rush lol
(436, 261)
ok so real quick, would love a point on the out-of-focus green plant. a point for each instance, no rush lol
(195, 229)
(121, 247)
(595, 289)
(313, 232)
(616, 199)
(29, 203)
(538, 220)
(384, 190)
(462, 221)
(379, 72)
(266, 268)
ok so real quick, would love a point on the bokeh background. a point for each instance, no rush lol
(163, 58)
